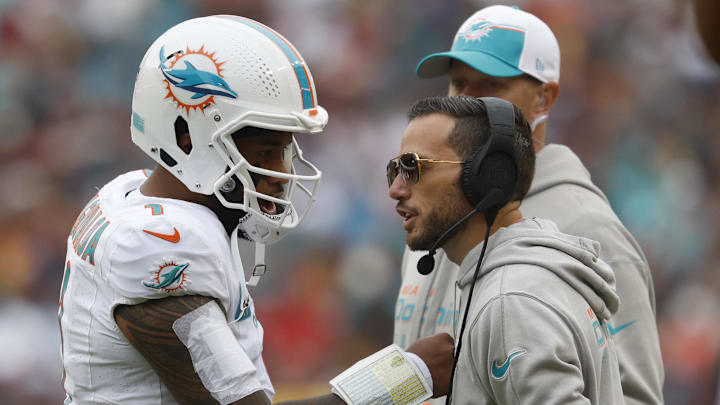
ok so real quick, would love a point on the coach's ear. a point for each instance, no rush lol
(547, 94)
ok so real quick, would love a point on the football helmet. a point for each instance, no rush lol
(217, 75)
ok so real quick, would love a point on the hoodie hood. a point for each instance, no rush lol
(556, 165)
(538, 242)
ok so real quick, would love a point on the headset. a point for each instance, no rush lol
(488, 182)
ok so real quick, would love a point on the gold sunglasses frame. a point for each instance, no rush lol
(419, 160)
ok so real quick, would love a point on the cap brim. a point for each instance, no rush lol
(439, 64)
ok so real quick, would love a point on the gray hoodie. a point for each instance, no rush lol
(537, 326)
(563, 192)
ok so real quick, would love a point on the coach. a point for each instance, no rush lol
(535, 301)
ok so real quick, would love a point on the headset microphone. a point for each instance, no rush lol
(426, 264)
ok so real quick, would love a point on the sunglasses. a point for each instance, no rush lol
(408, 165)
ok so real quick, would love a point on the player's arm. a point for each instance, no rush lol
(148, 327)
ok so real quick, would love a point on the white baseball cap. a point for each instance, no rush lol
(500, 41)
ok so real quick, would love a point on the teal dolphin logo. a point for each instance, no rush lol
(192, 79)
(614, 331)
(500, 370)
(476, 30)
(169, 277)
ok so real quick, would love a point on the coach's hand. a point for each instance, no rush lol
(437, 352)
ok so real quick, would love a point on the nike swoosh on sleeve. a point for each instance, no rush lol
(499, 371)
(174, 238)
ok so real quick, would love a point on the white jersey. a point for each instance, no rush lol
(124, 249)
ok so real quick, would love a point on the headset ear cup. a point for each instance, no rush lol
(496, 170)
(470, 177)
(492, 166)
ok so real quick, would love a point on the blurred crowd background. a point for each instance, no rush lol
(638, 103)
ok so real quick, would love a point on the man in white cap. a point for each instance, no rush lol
(508, 53)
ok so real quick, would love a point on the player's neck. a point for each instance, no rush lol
(474, 233)
(163, 184)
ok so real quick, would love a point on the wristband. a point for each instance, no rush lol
(387, 377)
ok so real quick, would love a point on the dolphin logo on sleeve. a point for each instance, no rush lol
(169, 276)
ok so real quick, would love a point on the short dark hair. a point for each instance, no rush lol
(472, 130)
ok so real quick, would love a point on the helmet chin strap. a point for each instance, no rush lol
(260, 268)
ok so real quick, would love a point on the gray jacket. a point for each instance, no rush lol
(537, 326)
(563, 192)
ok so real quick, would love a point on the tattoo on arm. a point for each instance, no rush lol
(148, 327)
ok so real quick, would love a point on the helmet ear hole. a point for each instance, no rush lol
(181, 129)
(167, 158)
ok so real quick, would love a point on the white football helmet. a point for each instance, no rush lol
(220, 74)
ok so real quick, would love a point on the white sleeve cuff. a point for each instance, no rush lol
(419, 363)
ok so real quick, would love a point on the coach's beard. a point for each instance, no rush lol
(450, 208)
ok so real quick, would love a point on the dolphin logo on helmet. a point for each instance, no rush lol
(200, 82)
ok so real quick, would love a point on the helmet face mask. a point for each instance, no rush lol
(221, 74)
(290, 207)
